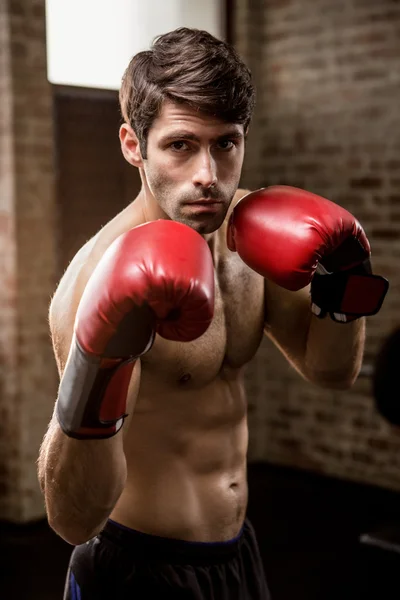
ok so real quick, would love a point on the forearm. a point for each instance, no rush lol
(334, 352)
(313, 254)
(81, 481)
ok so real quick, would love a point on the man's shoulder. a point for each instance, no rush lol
(68, 293)
(82, 265)
(127, 219)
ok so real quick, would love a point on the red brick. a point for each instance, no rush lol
(344, 125)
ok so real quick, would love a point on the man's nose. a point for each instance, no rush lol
(206, 171)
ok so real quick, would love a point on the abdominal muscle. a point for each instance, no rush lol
(186, 455)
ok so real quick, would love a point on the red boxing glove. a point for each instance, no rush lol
(288, 235)
(157, 277)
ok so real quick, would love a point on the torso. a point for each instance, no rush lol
(186, 442)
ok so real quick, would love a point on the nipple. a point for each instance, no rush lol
(185, 377)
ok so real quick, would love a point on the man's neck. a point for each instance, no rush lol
(151, 209)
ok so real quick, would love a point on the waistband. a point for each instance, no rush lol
(148, 546)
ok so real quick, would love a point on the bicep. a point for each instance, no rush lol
(64, 304)
(287, 321)
(65, 301)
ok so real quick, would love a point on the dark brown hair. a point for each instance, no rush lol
(187, 66)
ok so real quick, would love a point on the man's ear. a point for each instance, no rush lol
(130, 146)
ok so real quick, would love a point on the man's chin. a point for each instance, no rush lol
(203, 225)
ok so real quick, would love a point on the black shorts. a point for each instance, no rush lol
(122, 563)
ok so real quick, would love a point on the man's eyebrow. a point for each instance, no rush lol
(179, 135)
(186, 135)
(233, 133)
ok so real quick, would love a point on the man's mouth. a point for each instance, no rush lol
(205, 201)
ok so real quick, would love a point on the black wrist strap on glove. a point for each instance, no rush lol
(349, 294)
(91, 401)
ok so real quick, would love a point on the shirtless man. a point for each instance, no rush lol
(143, 466)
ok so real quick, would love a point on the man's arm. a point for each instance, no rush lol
(322, 351)
(314, 257)
(103, 319)
(81, 482)
(81, 479)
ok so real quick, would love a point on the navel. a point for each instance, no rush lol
(185, 378)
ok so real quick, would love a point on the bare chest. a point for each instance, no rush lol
(231, 340)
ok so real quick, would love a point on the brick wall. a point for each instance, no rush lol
(327, 120)
(94, 180)
(27, 236)
(9, 440)
(53, 197)
(35, 239)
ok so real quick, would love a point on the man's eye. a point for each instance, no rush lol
(226, 144)
(179, 146)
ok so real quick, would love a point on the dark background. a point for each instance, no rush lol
(308, 528)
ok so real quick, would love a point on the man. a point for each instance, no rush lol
(143, 466)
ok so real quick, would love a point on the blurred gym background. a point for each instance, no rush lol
(324, 467)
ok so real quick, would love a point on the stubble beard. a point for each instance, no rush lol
(174, 207)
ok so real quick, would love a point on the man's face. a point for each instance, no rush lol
(193, 165)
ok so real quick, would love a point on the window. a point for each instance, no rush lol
(90, 42)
